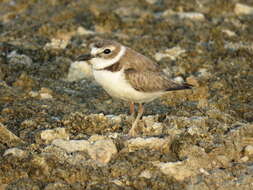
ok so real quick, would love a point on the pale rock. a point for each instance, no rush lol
(196, 153)
(102, 151)
(241, 9)
(203, 171)
(95, 138)
(146, 174)
(77, 159)
(56, 44)
(114, 135)
(151, 126)
(244, 159)
(48, 135)
(203, 72)
(72, 145)
(54, 151)
(56, 185)
(83, 31)
(239, 45)
(172, 53)
(229, 33)
(79, 70)
(249, 150)
(184, 122)
(33, 94)
(151, 1)
(15, 58)
(62, 157)
(46, 96)
(154, 143)
(45, 93)
(196, 16)
(191, 15)
(98, 148)
(114, 118)
(15, 152)
(117, 182)
(28, 123)
(8, 137)
(177, 170)
(194, 130)
(129, 11)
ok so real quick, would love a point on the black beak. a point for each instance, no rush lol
(84, 57)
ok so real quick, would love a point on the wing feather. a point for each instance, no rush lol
(150, 81)
(138, 62)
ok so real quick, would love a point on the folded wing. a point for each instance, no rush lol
(150, 81)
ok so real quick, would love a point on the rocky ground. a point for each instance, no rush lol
(60, 130)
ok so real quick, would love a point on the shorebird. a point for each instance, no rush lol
(128, 75)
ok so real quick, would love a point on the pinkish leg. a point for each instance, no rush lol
(132, 131)
(132, 112)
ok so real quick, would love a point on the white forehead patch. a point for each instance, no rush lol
(95, 50)
(100, 63)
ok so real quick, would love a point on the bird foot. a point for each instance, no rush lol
(132, 117)
(132, 133)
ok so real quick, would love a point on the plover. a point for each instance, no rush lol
(128, 75)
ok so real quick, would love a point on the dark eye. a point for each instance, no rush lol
(107, 51)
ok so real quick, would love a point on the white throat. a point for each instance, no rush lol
(100, 63)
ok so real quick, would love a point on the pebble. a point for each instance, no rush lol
(79, 70)
(45, 93)
(244, 159)
(101, 150)
(151, 126)
(57, 44)
(229, 33)
(234, 46)
(146, 174)
(151, 1)
(83, 31)
(150, 143)
(172, 53)
(196, 16)
(56, 185)
(242, 9)
(15, 152)
(191, 15)
(177, 170)
(248, 150)
(49, 135)
(33, 94)
(72, 145)
(15, 58)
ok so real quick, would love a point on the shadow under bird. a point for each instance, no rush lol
(128, 75)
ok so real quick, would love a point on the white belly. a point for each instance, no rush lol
(115, 84)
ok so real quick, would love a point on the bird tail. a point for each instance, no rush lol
(183, 86)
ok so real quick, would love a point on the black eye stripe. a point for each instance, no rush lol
(107, 51)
